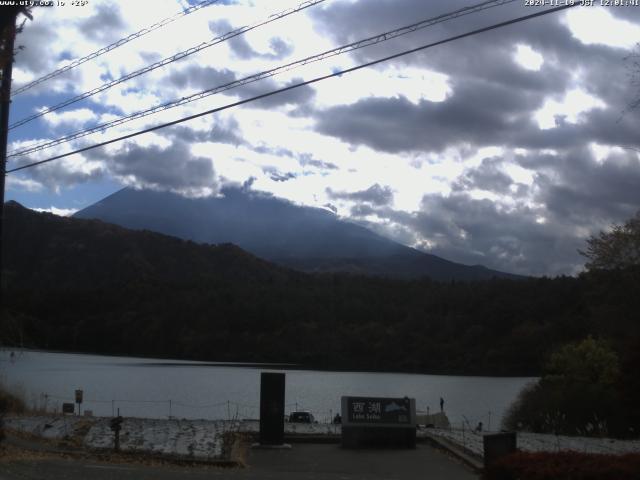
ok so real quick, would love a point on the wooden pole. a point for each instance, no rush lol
(6, 58)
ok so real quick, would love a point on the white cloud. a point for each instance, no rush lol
(596, 25)
(601, 152)
(14, 183)
(528, 58)
(415, 84)
(575, 103)
(61, 212)
(72, 118)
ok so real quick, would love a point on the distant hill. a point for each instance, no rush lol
(304, 238)
(54, 252)
(85, 285)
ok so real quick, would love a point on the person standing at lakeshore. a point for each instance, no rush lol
(441, 404)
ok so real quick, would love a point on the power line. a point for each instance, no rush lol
(383, 37)
(297, 85)
(166, 61)
(114, 45)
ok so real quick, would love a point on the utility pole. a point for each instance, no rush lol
(7, 40)
(6, 60)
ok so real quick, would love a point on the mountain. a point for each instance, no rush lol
(85, 285)
(304, 238)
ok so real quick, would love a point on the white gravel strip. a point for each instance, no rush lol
(199, 439)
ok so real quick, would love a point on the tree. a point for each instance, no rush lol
(590, 361)
(577, 394)
(616, 249)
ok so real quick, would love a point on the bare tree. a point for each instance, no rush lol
(615, 249)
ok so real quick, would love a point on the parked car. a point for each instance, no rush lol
(301, 417)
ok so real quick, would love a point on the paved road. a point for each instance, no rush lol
(302, 462)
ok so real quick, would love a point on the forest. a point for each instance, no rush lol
(88, 286)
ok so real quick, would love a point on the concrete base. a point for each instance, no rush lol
(394, 437)
(284, 446)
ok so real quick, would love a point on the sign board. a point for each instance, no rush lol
(378, 411)
(78, 396)
(68, 408)
(378, 422)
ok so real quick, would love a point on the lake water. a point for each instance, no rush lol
(159, 388)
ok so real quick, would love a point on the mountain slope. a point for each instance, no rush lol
(46, 251)
(308, 239)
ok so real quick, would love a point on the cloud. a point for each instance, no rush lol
(224, 130)
(34, 57)
(488, 176)
(105, 26)
(299, 96)
(243, 50)
(204, 78)
(571, 196)
(173, 168)
(281, 177)
(61, 212)
(306, 159)
(72, 118)
(58, 174)
(578, 189)
(375, 194)
(200, 77)
(478, 112)
(25, 184)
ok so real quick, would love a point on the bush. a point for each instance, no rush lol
(567, 409)
(577, 395)
(564, 465)
(10, 402)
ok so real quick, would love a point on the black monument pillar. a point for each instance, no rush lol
(272, 408)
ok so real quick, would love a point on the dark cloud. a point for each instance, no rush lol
(479, 112)
(200, 78)
(243, 50)
(105, 26)
(282, 177)
(203, 78)
(277, 151)
(577, 189)
(375, 195)
(173, 168)
(572, 196)
(307, 159)
(493, 98)
(223, 131)
(299, 96)
(480, 232)
(59, 174)
(488, 176)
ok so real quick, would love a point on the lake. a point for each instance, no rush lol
(143, 387)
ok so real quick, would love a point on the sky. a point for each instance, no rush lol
(507, 149)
